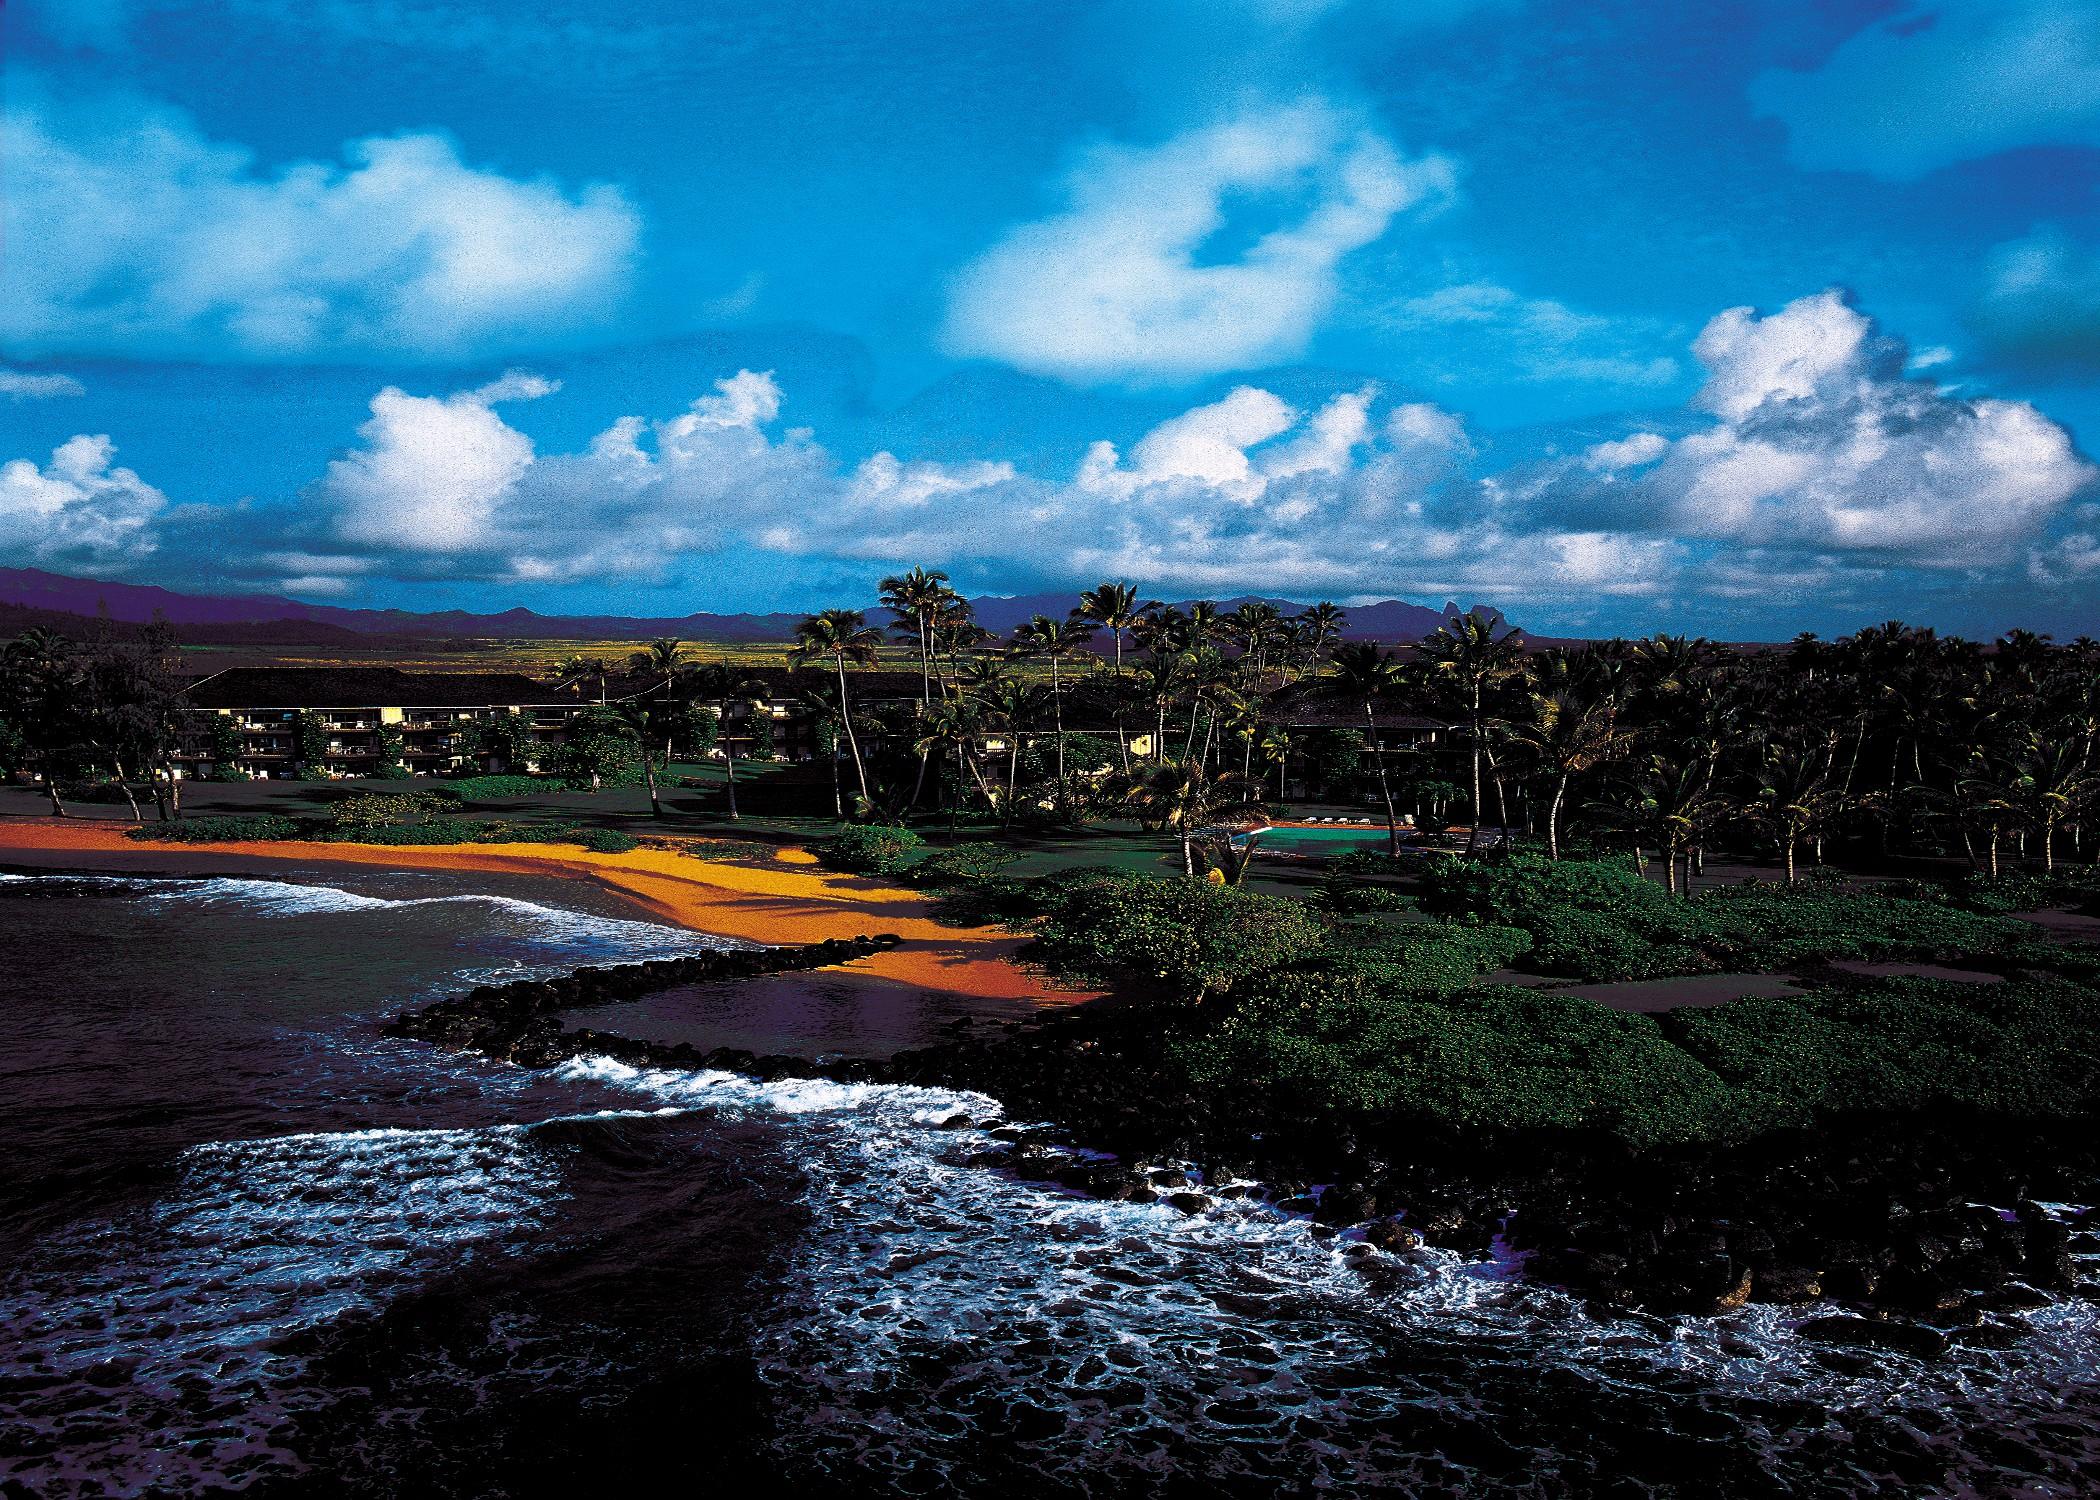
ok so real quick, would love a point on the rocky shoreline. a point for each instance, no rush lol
(520, 1022)
(1927, 1228)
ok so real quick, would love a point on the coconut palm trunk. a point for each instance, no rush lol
(860, 769)
(1385, 788)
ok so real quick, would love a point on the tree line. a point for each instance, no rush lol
(1892, 742)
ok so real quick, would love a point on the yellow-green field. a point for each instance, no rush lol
(536, 657)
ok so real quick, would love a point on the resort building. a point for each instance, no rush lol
(357, 709)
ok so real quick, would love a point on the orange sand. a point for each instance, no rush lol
(801, 904)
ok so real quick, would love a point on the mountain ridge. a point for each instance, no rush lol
(34, 589)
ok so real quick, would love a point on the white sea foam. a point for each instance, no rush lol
(259, 1241)
(282, 898)
(1134, 1326)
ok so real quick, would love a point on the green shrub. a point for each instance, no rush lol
(2022, 1048)
(1598, 920)
(1349, 897)
(254, 828)
(604, 840)
(426, 831)
(869, 849)
(1484, 1058)
(964, 863)
(490, 788)
(1421, 957)
(380, 809)
(1191, 937)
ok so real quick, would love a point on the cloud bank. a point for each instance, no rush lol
(1809, 467)
(138, 235)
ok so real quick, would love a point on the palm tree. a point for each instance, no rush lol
(919, 596)
(955, 631)
(955, 726)
(730, 686)
(649, 719)
(2056, 784)
(1361, 671)
(820, 701)
(1206, 623)
(1467, 649)
(1674, 803)
(1793, 793)
(662, 659)
(1274, 747)
(839, 636)
(1324, 622)
(1566, 733)
(41, 679)
(581, 664)
(1013, 707)
(1253, 626)
(1058, 641)
(1182, 796)
(1114, 608)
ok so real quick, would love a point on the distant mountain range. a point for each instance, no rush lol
(261, 618)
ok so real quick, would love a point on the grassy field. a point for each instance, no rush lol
(536, 658)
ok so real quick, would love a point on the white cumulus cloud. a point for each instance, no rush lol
(1821, 442)
(432, 470)
(1123, 283)
(141, 236)
(80, 509)
(445, 486)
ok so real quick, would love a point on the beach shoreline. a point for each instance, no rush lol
(793, 903)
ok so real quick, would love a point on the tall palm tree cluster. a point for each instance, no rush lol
(1181, 690)
(108, 711)
(1895, 741)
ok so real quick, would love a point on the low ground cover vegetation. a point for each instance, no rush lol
(1336, 1014)
(1599, 920)
(408, 819)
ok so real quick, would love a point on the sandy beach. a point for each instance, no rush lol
(791, 901)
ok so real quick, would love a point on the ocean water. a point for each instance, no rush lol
(249, 1246)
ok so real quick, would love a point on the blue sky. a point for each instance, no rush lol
(1744, 318)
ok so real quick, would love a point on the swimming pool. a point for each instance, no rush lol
(1317, 842)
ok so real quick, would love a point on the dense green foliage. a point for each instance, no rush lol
(1599, 920)
(1361, 881)
(964, 863)
(1511, 1058)
(870, 849)
(377, 810)
(259, 827)
(2030, 1047)
(1191, 937)
(604, 840)
(1526, 1059)
(599, 750)
(491, 788)
(309, 738)
(508, 738)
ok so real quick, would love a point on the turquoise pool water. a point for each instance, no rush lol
(1318, 841)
